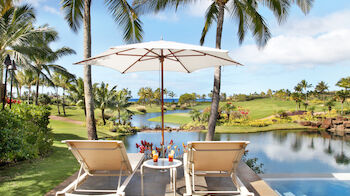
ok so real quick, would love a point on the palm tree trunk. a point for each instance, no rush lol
(63, 108)
(58, 103)
(103, 116)
(89, 101)
(119, 116)
(217, 78)
(37, 91)
(29, 92)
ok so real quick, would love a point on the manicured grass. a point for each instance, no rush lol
(179, 118)
(39, 176)
(246, 129)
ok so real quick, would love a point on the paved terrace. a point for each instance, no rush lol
(158, 184)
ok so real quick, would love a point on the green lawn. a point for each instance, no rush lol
(40, 176)
(179, 118)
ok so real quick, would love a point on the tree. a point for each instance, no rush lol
(77, 11)
(204, 96)
(304, 86)
(321, 89)
(269, 93)
(63, 81)
(105, 98)
(172, 95)
(195, 115)
(297, 98)
(342, 95)
(149, 95)
(187, 98)
(122, 103)
(344, 83)
(330, 104)
(15, 29)
(41, 57)
(142, 95)
(76, 93)
(227, 108)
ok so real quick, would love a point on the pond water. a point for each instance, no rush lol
(279, 151)
(141, 120)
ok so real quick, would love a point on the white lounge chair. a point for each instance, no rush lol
(102, 158)
(216, 159)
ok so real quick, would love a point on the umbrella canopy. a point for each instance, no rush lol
(172, 56)
(177, 57)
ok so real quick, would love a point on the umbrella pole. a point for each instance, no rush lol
(162, 87)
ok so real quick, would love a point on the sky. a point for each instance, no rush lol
(314, 47)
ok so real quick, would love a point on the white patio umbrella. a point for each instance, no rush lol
(172, 56)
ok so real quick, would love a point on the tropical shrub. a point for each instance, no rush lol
(24, 134)
(44, 99)
(187, 98)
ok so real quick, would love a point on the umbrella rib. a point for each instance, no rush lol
(90, 59)
(174, 53)
(148, 51)
(149, 58)
(179, 61)
(217, 57)
(152, 51)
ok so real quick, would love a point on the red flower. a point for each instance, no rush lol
(171, 142)
(137, 145)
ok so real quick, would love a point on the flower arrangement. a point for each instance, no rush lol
(163, 150)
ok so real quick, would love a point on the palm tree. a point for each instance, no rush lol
(296, 96)
(76, 93)
(304, 86)
(172, 95)
(77, 11)
(42, 56)
(20, 79)
(248, 17)
(63, 81)
(195, 115)
(149, 95)
(330, 104)
(321, 88)
(105, 98)
(344, 83)
(15, 29)
(227, 108)
(122, 103)
(142, 95)
(342, 95)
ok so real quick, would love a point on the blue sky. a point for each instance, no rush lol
(314, 47)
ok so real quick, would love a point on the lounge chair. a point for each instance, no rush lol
(102, 158)
(215, 159)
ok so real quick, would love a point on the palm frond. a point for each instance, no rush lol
(127, 18)
(210, 16)
(73, 10)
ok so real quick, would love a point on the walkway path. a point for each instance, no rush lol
(66, 120)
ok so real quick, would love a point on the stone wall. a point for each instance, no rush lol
(339, 126)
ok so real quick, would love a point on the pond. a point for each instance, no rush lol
(141, 120)
(279, 151)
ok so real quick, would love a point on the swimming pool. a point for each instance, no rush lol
(310, 187)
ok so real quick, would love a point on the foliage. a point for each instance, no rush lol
(25, 133)
(253, 163)
(44, 99)
(187, 98)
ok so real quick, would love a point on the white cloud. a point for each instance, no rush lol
(52, 10)
(198, 8)
(35, 3)
(168, 15)
(310, 42)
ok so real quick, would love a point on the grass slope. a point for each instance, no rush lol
(39, 176)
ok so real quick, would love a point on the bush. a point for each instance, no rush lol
(44, 99)
(141, 109)
(24, 134)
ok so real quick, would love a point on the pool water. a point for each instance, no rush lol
(311, 187)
